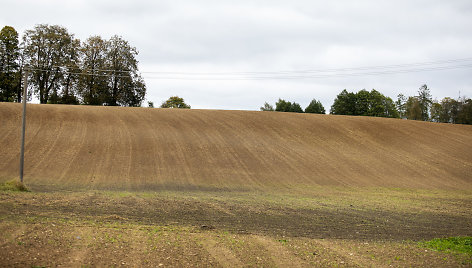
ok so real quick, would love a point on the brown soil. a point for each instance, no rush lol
(145, 149)
(144, 187)
(336, 220)
(191, 229)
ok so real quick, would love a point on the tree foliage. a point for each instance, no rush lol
(286, 106)
(345, 103)
(364, 103)
(93, 81)
(64, 70)
(449, 110)
(175, 102)
(436, 111)
(401, 105)
(413, 109)
(47, 50)
(425, 100)
(125, 86)
(465, 113)
(315, 107)
(267, 107)
(453, 111)
(10, 74)
(419, 107)
(296, 108)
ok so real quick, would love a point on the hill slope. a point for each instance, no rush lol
(142, 148)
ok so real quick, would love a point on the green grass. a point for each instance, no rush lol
(14, 186)
(452, 244)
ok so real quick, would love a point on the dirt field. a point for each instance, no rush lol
(151, 187)
(143, 148)
(323, 227)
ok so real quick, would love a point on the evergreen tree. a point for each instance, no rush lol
(315, 107)
(400, 104)
(296, 108)
(425, 100)
(10, 75)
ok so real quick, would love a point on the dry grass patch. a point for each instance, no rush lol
(14, 186)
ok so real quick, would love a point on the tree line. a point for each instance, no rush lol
(373, 103)
(172, 102)
(64, 70)
(281, 105)
(423, 107)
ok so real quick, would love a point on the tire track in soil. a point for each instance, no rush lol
(280, 255)
(352, 257)
(79, 250)
(220, 253)
(183, 156)
(137, 245)
(152, 175)
(9, 133)
(128, 142)
(47, 145)
(10, 236)
(32, 130)
(77, 140)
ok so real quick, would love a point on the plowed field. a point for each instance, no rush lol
(142, 148)
(141, 187)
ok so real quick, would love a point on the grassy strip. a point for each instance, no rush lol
(460, 244)
(14, 186)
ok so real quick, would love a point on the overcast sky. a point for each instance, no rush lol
(239, 54)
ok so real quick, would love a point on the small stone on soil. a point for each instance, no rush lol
(207, 227)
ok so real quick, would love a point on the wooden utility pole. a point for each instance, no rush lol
(22, 151)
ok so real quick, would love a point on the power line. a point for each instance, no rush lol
(281, 75)
(273, 72)
(314, 76)
(79, 73)
(87, 71)
(317, 70)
